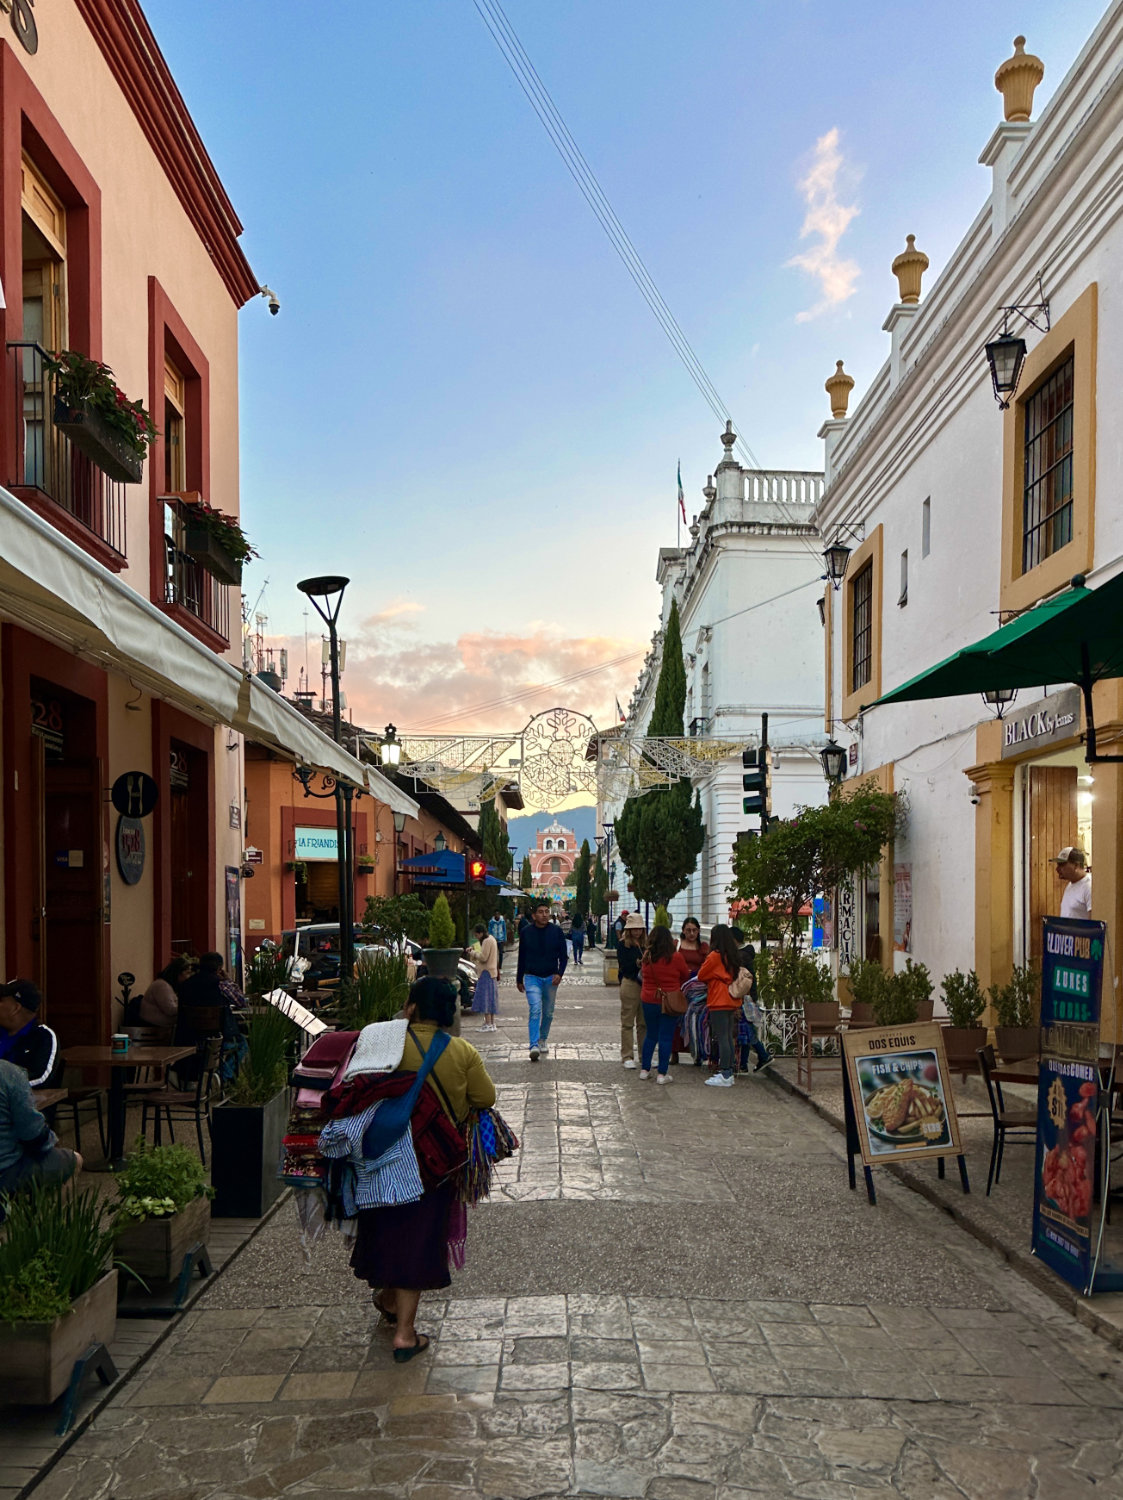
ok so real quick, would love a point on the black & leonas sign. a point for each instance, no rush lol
(1042, 723)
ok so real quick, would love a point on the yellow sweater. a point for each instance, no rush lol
(460, 1069)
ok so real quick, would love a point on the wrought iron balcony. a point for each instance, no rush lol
(188, 584)
(52, 475)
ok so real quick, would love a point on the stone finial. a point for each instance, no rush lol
(710, 490)
(838, 388)
(728, 438)
(908, 268)
(1016, 80)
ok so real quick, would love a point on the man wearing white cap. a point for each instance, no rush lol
(1076, 901)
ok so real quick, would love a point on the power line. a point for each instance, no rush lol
(526, 75)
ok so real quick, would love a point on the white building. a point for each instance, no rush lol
(961, 515)
(746, 586)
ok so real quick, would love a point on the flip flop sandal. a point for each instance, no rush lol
(403, 1356)
(391, 1318)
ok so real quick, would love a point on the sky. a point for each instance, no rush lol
(464, 404)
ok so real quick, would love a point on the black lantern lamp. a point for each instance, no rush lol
(834, 762)
(439, 843)
(391, 747)
(1000, 699)
(837, 557)
(822, 603)
(1006, 355)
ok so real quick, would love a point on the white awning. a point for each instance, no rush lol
(52, 587)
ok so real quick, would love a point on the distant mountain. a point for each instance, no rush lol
(524, 831)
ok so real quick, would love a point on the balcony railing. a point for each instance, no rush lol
(46, 462)
(188, 584)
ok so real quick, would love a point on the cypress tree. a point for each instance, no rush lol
(583, 883)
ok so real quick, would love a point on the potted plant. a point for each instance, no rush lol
(441, 957)
(377, 993)
(364, 865)
(1015, 1011)
(162, 1209)
(965, 1001)
(868, 983)
(248, 1126)
(216, 541)
(58, 1290)
(98, 418)
(914, 984)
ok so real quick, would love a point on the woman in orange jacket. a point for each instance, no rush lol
(719, 969)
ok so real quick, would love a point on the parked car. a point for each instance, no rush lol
(313, 955)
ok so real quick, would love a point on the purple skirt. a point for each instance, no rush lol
(405, 1245)
(486, 999)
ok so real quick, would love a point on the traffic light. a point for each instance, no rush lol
(757, 781)
(477, 871)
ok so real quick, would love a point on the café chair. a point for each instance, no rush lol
(1018, 1122)
(185, 1105)
(819, 1021)
(82, 1096)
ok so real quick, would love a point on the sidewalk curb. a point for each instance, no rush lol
(1027, 1266)
(106, 1395)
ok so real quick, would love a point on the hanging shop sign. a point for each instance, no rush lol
(902, 908)
(1042, 723)
(134, 795)
(23, 23)
(1065, 1231)
(315, 843)
(899, 1103)
(130, 849)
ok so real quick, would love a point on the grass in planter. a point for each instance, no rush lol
(56, 1245)
(158, 1181)
(379, 990)
(265, 1068)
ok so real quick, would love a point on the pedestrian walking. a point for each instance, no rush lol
(664, 972)
(485, 1002)
(577, 938)
(629, 954)
(542, 960)
(497, 928)
(748, 1029)
(403, 1247)
(719, 969)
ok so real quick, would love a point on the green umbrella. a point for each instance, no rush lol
(1076, 636)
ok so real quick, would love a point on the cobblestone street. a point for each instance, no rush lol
(673, 1295)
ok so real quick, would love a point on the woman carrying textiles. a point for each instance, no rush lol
(404, 1248)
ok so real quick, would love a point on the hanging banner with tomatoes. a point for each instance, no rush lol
(1068, 1097)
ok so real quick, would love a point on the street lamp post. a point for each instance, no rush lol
(609, 941)
(326, 594)
(399, 827)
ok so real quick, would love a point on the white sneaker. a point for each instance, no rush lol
(644, 1072)
(629, 1062)
(718, 1081)
(664, 1078)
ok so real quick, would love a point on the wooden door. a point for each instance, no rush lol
(1052, 826)
(73, 927)
(39, 861)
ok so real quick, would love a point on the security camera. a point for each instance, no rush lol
(975, 798)
(271, 296)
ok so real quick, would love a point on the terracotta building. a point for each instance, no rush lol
(554, 856)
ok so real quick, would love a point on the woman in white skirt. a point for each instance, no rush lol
(486, 959)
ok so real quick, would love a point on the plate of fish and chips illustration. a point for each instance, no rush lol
(903, 1102)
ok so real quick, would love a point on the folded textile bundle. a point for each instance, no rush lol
(379, 1048)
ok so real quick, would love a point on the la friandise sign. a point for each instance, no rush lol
(1042, 723)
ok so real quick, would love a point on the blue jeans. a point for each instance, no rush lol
(754, 1044)
(540, 994)
(578, 940)
(661, 1029)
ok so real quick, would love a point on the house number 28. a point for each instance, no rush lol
(23, 22)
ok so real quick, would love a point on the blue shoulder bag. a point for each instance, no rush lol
(392, 1117)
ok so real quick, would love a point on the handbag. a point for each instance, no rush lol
(741, 984)
(672, 1002)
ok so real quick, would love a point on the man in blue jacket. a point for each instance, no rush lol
(542, 959)
(29, 1149)
(497, 928)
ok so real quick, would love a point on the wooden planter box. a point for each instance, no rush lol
(89, 433)
(1016, 1043)
(961, 1043)
(210, 554)
(37, 1359)
(155, 1248)
(246, 1156)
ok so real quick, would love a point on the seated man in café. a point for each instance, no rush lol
(29, 1149)
(24, 1040)
(209, 989)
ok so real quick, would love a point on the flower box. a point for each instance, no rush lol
(90, 434)
(209, 553)
(37, 1359)
(154, 1248)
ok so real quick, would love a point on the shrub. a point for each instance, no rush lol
(268, 971)
(915, 982)
(57, 1244)
(442, 929)
(963, 996)
(868, 981)
(789, 978)
(265, 1068)
(1016, 1003)
(392, 918)
(157, 1181)
(379, 990)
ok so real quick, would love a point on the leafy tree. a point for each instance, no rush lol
(661, 833)
(526, 877)
(815, 850)
(583, 883)
(493, 836)
(397, 916)
(598, 892)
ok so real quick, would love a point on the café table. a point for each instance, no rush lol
(45, 1098)
(141, 1056)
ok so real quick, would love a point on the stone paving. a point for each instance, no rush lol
(673, 1295)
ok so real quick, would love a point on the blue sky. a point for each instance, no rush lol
(464, 403)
